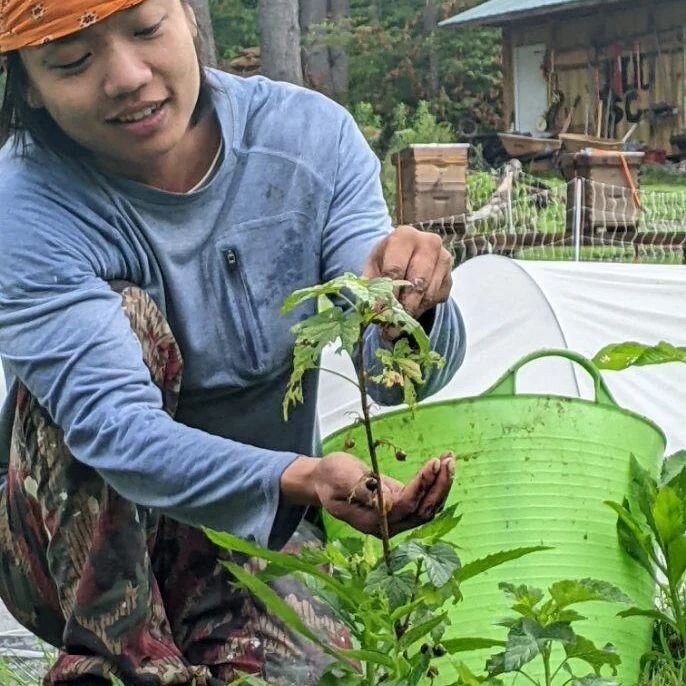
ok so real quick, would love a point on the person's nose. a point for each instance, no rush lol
(126, 72)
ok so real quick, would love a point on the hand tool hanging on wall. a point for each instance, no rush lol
(556, 97)
(661, 108)
(632, 95)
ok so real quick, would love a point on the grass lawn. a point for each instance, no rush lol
(663, 210)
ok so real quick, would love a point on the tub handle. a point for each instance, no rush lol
(506, 384)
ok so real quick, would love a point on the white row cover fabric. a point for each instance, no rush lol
(512, 308)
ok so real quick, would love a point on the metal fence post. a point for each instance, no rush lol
(578, 210)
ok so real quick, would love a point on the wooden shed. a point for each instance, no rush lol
(620, 61)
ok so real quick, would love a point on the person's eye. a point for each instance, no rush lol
(150, 30)
(73, 66)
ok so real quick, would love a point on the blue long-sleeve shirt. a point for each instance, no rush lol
(295, 200)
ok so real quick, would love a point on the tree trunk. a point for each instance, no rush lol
(208, 49)
(430, 23)
(280, 40)
(325, 68)
(315, 57)
(340, 9)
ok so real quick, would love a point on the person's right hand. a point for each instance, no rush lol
(339, 482)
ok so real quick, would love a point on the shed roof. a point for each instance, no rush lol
(497, 12)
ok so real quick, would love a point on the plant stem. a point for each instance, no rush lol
(678, 612)
(418, 574)
(341, 376)
(546, 665)
(562, 664)
(383, 519)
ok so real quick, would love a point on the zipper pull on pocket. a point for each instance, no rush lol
(231, 258)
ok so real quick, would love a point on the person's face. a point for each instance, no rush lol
(124, 88)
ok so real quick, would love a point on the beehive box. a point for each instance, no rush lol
(431, 182)
(608, 202)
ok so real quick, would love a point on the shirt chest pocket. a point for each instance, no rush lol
(261, 263)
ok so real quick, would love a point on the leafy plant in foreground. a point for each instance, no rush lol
(540, 625)
(652, 521)
(394, 604)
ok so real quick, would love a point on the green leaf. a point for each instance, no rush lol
(420, 631)
(476, 567)
(672, 467)
(372, 656)
(397, 588)
(584, 649)
(418, 673)
(286, 561)
(633, 538)
(570, 592)
(278, 607)
(525, 598)
(311, 337)
(643, 490)
(521, 648)
(631, 354)
(438, 527)
(407, 552)
(652, 614)
(559, 632)
(569, 616)
(669, 515)
(441, 562)
(465, 645)
(676, 558)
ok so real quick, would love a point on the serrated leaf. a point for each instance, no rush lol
(673, 466)
(397, 588)
(465, 645)
(374, 657)
(632, 354)
(520, 649)
(278, 607)
(652, 614)
(676, 561)
(476, 567)
(572, 591)
(525, 598)
(643, 490)
(669, 515)
(286, 561)
(635, 541)
(559, 632)
(584, 649)
(311, 337)
(569, 616)
(438, 527)
(420, 631)
(441, 562)
(407, 552)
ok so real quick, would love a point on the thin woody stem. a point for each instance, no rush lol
(383, 519)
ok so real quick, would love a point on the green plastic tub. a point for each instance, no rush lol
(534, 469)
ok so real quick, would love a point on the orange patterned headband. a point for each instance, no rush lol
(28, 23)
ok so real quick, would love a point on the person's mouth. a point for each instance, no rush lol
(138, 115)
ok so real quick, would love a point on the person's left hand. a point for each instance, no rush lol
(412, 255)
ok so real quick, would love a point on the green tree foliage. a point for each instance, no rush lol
(235, 26)
(390, 53)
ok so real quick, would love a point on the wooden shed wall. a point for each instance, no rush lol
(583, 39)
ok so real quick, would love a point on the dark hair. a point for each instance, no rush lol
(19, 119)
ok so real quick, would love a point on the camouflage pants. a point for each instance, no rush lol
(122, 590)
